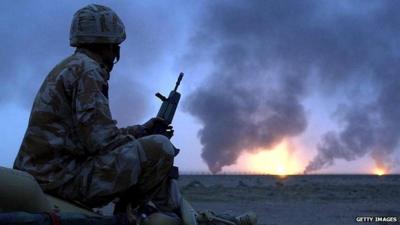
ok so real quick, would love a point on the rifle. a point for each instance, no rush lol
(168, 107)
(167, 112)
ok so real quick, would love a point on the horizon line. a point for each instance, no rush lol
(268, 174)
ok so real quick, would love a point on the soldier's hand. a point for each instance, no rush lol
(153, 123)
(169, 132)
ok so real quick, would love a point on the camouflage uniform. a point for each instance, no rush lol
(74, 148)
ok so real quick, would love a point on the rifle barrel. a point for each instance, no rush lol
(178, 81)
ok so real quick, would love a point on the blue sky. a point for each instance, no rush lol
(320, 74)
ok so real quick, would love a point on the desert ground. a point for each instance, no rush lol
(297, 200)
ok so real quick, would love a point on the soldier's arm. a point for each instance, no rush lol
(137, 131)
(94, 124)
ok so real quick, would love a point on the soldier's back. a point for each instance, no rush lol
(51, 145)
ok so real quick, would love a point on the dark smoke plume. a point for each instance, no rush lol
(266, 56)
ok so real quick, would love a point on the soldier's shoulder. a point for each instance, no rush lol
(80, 63)
(73, 67)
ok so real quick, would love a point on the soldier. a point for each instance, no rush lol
(73, 147)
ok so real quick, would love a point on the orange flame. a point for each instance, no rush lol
(380, 171)
(277, 161)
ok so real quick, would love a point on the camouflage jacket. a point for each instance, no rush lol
(70, 121)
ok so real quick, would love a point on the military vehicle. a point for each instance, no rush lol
(22, 201)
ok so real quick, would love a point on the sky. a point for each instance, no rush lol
(270, 86)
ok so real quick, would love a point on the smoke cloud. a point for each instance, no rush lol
(268, 56)
(263, 59)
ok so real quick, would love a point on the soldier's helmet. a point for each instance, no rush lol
(96, 24)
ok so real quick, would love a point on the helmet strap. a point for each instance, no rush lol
(117, 53)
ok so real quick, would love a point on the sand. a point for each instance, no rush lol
(322, 200)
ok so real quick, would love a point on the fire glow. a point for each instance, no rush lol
(379, 171)
(277, 161)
